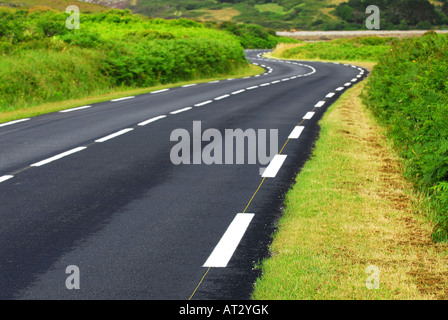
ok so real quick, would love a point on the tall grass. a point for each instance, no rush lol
(42, 61)
(408, 92)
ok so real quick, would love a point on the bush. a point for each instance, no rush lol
(408, 92)
(42, 61)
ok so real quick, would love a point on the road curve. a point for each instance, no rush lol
(95, 187)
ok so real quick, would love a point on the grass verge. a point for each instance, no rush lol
(351, 208)
(249, 70)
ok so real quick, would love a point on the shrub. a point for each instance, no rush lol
(408, 92)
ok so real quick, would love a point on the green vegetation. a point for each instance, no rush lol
(363, 199)
(351, 208)
(253, 36)
(42, 61)
(367, 49)
(302, 14)
(396, 14)
(408, 92)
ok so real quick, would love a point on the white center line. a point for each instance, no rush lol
(308, 115)
(203, 103)
(222, 97)
(144, 123)
(265, 84)
(250, 88)
(274, 166)
(120, 99)
(159, 91)
(13, 122)
(225, 248)
(4, 178)
(57, 157)
(276, 81)
(296, 132)
(239, 91)
(180, 110)
(74, 109)
(113, 135)
(319, 104)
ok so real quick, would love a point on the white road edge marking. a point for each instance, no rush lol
(296, 132)
(340, 89)
(203, 103)
(331, 94)
(57, 157)
(180, 110)
(4, 178)
(120, 99)
(144, 123)
(74, 109)
(308, 115)
(113, 135)
(225, 248)
(13, 122)
(189, 85)
(160, 91)
(274, 166)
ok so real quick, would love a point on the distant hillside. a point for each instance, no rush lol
(275, 14)
(298, 14)
(58, 5)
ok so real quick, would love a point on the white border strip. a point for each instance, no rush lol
(160, 91)
(121, 99)
(13, 122)
(57, 157)
(74, 109)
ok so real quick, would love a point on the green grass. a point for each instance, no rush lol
(350, 208)
(364, 49)
(19, 113)
(270, 7)
(42, 62)
(408, 93)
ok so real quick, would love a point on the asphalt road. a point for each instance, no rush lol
(96, 188)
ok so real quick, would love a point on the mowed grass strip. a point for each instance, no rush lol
(351, 208)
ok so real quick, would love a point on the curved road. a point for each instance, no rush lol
(96, 188)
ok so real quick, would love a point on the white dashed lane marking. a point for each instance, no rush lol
(225, 248)
(114, 135)
(57, 157)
